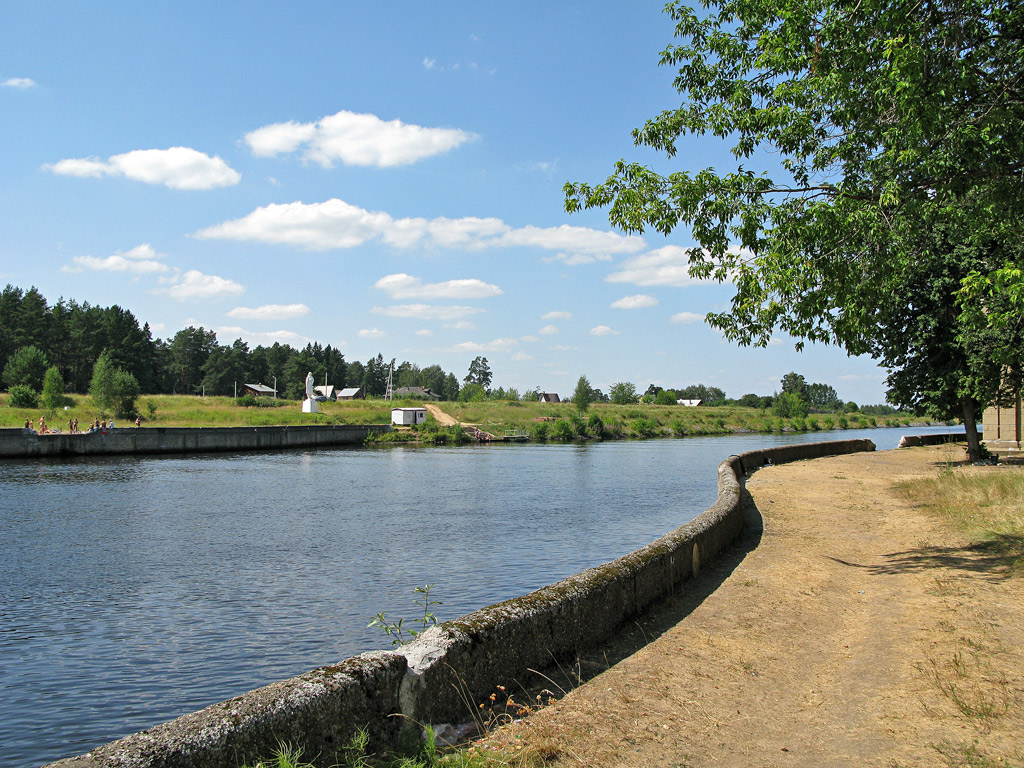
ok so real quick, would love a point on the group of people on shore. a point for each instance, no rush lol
(99, 425)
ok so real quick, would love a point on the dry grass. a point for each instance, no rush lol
(985, 504)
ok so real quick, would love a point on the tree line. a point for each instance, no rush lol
(72, 336)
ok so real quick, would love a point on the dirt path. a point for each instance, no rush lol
(854, 631)
(442, 418)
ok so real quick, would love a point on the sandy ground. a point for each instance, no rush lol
(847, 629)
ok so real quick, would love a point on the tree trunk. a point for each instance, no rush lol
(969, 416)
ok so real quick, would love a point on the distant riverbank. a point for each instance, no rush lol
(540, 421)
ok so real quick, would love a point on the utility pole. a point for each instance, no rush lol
(275, 387)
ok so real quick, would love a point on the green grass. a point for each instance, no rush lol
(492, 416)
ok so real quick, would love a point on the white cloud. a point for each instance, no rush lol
(140, 260)
(774, 341)
(355, 139)
(668, 265)
(520, 356)
(639, 301)
(423, 332)
(556, 315)
(576, 259)
(371, 333)
(563, 348)
(528, 339)
(193, 284)
(427, 311)
(497, 345)
(548, 330)
(461, 325)
(337, 224)
(429, 63)
(603, 330)
(402, 286)
(270, 312)
(268, 338)
(685, 318)
(21, 83)
(177, 168)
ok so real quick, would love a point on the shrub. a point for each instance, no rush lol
(843, 423)
(644, 427)
(23, 396)
(562, 430)
(248, 400)
(595, 427)
(579, 426)
(540, 431)
(53, 389)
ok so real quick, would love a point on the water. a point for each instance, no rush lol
(133, 590)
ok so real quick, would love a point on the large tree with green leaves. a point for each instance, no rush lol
(889, 118)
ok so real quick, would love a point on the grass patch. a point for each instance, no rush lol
(985, 504)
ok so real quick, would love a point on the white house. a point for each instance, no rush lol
(404, 417)
(689, 403)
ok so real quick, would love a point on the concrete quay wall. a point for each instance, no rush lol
(431, 679)
(24, 443)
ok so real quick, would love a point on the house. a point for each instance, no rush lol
(408, 416)
(689, 403)
(548, 397)
(328, 391)
(1001, 426)
(351, 393)
(259, 390)
(420, 392)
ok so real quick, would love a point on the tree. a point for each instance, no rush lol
(889, 118)
(27, 367)
(583, 395)
(479, 372)
(113, 389)
(822, 397)
(623, 393)
(666, 397)
(794, 383)
(789, 405)
(53, 389)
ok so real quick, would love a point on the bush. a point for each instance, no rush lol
(579, 426)
(540, 431)
(248, 400)
(595, 427)
(23, 396)
(562, 430)
(27, 367)
(53, 390)
(644, 427)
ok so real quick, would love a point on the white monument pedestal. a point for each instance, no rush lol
(309, 406)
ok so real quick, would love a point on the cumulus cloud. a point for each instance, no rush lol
(402, 286)
(639, 301)
(426, 312)
(423, 332)
(521, 356)
(603, 330)
(140, 260)
(270, 312)
(336, 224)
(21, 83)
(685, 318)
(176, 168)
(371, 333)
(266, 338)
(668, 265)
(193, 284)
(556, 315)
(355, 139)
(497, 345)
(548, 330)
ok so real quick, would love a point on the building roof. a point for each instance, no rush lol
(327, 390)
(261, 389)
(349, 391)
(549, 397)
(690, 403)
(416, 392)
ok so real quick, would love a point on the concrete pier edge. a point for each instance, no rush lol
(430, 679)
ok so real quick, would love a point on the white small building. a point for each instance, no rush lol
(689, 403)
(405, 417)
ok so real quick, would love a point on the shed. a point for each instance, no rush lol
(689, 403)
(549, 397)
(351, 393)
(407, 416)
(327, 390)
(259, 390)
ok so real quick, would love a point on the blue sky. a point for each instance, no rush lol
(382, 177)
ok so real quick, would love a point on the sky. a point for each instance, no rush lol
(382, 177)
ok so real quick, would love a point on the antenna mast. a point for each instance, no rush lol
(390, 394)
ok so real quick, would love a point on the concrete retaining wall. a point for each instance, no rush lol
(909, 441)
(24, 443)
(431, 679)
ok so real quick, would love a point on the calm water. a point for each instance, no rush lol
(133, 590)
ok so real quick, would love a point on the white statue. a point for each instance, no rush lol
(309, 404)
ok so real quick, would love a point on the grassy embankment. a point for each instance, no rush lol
(537, 419)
